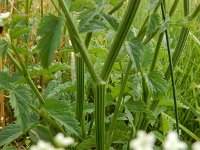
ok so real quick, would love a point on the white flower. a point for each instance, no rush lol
(62, 141)
(196, 146)
(4, 15)
(143, 141)
(173, 143)
(41, 145)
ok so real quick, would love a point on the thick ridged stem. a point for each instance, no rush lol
(119, 38)
(100, 115)
(80, 79)
(117, 106)
(78, 41)
(171, 72)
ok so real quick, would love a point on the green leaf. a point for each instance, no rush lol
(136, 106)
(92, 26)
(110, 20)
(60, 111)
(156, 82)
(3, 48)
(87, 16)
(19, 31)
(87, 143)
(10, 133)
(5, 79)
(80, 4)
(135, 51)
(20, 98)
(41, 133)
(153, 23)
(166, 124)
(152, 5)
(50, 31)
(114, 2)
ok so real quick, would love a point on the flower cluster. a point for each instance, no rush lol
(3, 16)
(146, 141)
(60, 142)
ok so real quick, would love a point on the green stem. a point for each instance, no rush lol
(119, 38)
(171, 72)
(117, 106)
(181, 42)
(23, 69)
(116, 7)
(80, 78)
(100, 115)
(159, 42)
(195, 13)
(77, 39)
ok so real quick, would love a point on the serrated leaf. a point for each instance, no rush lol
(111, 20)
(153, 23)
(156, 82)
(19, 31)
(80, 4)
(10, 133)
(152, 5)
(20, 98)
(135, 51)
(60, 111)
(50, 31)
(92, 26)
(87, 143)
(5, 80)
(3, 48)
(87, 16)
(136, 106)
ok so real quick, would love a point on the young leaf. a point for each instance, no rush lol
(111, 20)
(60, 111)
(87, 16)
(77, 4)
(135, 51)
(87, 143)
(5, 79)
(3, 48)
(153, 23)
(50, 31)
(156, 82)
(20, 98)
(10, 133)
(18, 31)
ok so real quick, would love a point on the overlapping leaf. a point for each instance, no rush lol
(50, 31)
(3, 48)
(10, 133)
(60, 111)
(20, 99)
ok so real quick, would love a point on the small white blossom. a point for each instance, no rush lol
(41, 145)
(196, 146)
(143, 141)
(62, 141)
(173, 143)
(4, 15)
